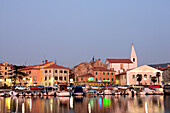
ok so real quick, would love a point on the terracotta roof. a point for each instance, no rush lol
(101, 69)
(86, 75)
(56, 66)
(121, 73)
(1, 64)
(163, 68)
(119, 60)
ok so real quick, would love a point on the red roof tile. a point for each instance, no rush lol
(57, 66)
(119, 60)
(101, 69)
(86, 75)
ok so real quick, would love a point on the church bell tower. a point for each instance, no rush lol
(133, 57)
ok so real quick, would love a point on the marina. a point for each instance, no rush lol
(84, 104)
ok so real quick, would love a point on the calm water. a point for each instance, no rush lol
(99, 104)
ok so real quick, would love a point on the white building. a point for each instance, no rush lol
(122, 65)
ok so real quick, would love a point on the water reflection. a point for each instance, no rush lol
(99, 104)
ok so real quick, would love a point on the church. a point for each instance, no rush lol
(122, 65)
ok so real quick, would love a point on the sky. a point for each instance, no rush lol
(73, 31)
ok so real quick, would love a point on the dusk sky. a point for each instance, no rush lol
(73, 31)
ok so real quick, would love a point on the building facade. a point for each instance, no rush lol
(4, 74)
(55, 74)
(130, 77)
(121, 65)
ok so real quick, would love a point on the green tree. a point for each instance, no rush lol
(16, 74)
(154, 79)
(139, 78)
(158, 74)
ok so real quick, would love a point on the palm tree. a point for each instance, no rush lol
(158, 74)
(16, 74)
(139, 78)
(153, 79)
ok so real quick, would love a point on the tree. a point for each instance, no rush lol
(158, 74)
(16, 73)
(154, 79)
(139, 78)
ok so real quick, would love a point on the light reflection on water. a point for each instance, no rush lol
(99, 104)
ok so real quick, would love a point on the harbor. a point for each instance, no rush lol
(84, 104)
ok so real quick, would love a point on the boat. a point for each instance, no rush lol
(167, 89)
(13, 93)
(62, 91)
(2, 94)
(27, 93)
(78, 91)
(100, 92)
(149, 91)
(107, 92)
(158, 91)
(91, 93)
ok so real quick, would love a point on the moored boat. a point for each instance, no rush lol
(78, 91)
(62, 91)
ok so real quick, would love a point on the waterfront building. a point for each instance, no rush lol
(4, 74)
(121, 65)
(166, 73)
(84, 68)
(35, 73)
(129, 77)
(54, 74)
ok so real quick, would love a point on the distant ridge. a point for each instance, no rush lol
(159, 65)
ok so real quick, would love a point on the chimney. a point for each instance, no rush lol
(42, 62)
(55, 62)
(46, 61)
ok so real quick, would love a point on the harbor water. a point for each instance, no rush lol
(79, 104)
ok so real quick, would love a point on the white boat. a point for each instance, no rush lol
(149, 91)
(100, 93)
(142, 93)
(2, 94)
(117, 93)
(62, 91)
(158, 91)
(107, 92)
(13, 93)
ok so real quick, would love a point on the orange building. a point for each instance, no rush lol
(4, 73)
(35, 73)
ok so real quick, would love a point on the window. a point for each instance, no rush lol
(111, 73)
(65, 71)
(61, 78)
(96, 79)
(81, 78)
(103, 73)
(145, 76)
(5, 68)
(61, 71)
(45, 71)
(41, 71)
(49, 84)
(96, 73)
(55, 71)
(49, 71)
(112, 79)
(150, 76)
(103, 78)
(108, 79)
(133, 76)
(121, 66)
(41, 78)
(5, 73)
(0, 73)
(64, 78)
(45, 78)
(34, 78)
(49, 78)
(29, 72)
(0, 68)
(107, 73)
(133, 59)
(56, 78)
